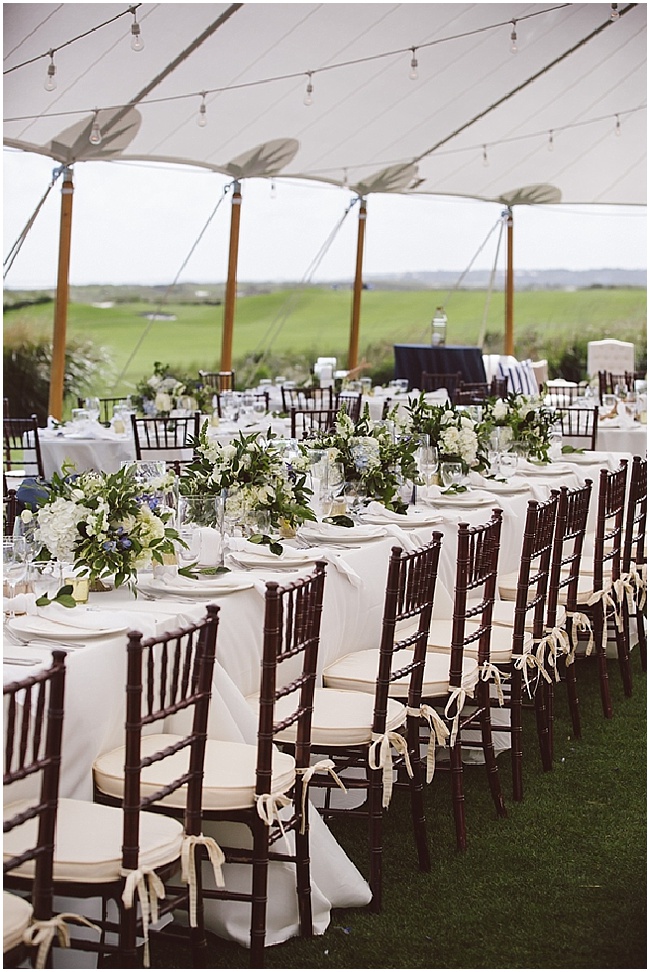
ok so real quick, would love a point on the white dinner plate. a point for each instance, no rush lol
(552, 469)
(414, 518)
(584, 458)
(210, 586)
(34, 626)
(507, 489)
(462, 499)
(331, 533)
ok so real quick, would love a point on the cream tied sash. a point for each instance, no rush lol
(150, 891)
(380, 757)
(216, 857)
(579, 622)
(606, 601)
(40, 934)
(322, 766)
(438, 735)
(457, 695)
(269, 806)
(557, 642)
(490, 671)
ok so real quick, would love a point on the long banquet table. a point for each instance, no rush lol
(352, 613)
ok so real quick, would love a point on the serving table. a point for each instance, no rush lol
(412, 359)
(100, 449)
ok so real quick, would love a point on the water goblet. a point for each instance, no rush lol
(92, 406)
(451, 473)
(44, 578)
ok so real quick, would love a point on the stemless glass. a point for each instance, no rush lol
(507, 464)
(451, 473)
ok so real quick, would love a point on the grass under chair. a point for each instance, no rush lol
(560, 883)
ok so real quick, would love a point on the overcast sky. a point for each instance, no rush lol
(137, 223)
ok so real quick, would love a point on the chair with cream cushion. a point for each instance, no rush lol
(119, 852)
(33, 721)
(601, 594)
(365, 732)
(461, 645)
(258, 785)
(532, 658)
(634, 562)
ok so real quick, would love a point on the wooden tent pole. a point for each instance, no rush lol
(231, 283)
(57, 373)
(509, 347)
(353, 352)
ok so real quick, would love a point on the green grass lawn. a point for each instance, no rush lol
(559, 884)
(308, 323)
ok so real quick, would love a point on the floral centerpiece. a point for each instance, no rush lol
(252, 471)
(106, 524)
(372, 458)
(520, 419)
(160, 393)
(452, 431)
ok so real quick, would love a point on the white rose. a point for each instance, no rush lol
(500, 409)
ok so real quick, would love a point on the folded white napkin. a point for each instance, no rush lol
(255, 554)
(524, 466)
(625, 420)
(84, 617)
(330, 531)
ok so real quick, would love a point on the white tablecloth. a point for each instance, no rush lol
(105, 453)
(351, 621)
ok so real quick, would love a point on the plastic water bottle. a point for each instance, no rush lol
(439, 327)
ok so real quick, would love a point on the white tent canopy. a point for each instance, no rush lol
(576, 85)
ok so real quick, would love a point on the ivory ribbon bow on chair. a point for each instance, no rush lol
(40, 934)
(438, 735)
(322, 766)
(580, 622)
(488, 671)
(150, 890)
(269, 806)
(188, 866)
(381, 745)
(458, 695)
(606, 600)
(526, 661)
(557, 642)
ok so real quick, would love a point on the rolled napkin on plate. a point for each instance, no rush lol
(259, 555)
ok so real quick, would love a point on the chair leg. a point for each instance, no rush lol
(516, 734)
(494, 781)
(416, 789)
(601, 657)
(303, 873)
(623, 651)
(375, 837)
(260, 891)
(640, 625)
(198, 941)
(572, 695)
(457, 794)
(543, 719)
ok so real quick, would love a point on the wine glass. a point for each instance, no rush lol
(427, 459)
(44, 578)
(14, 560)
(92, 407)
(189, 531)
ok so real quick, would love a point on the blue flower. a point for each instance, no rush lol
(109, 545)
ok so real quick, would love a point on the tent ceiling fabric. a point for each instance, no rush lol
(370, 125)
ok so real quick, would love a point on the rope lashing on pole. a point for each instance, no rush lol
(17, 246)
(265, 346)
(165, 296)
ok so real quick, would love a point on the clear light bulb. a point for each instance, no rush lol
(137, 43)
(50, 80)
(273, 190)
(551, 145)
(95, 137)
(486, 161)
(413, 73)
(614, 15)
(308, 99)
(513, 39)
(617, 130)
(202, 120)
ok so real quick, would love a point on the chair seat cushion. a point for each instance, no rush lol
(16, 918)
(229, 773)
(88, 845)
(358, 672)
(500, 640)
(340, 718)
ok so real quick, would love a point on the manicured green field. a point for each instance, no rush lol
(300, 325)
